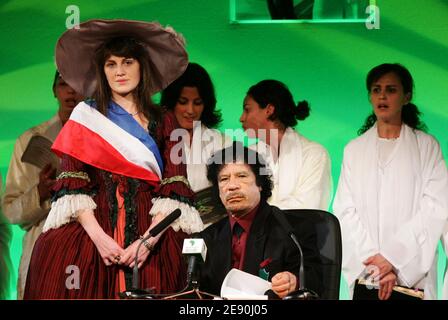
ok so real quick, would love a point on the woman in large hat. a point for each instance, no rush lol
(117, 179)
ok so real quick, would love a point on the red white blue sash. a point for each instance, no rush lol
(92, 138)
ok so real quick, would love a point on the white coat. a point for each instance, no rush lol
(398, 209)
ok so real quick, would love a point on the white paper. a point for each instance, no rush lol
(242, 285)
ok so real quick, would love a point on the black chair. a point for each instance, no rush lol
(329, 242)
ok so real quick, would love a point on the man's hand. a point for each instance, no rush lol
(46, 181)
(284, 283)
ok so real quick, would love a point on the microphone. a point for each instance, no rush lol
(162, 225)
(196, 251)
(302, 293)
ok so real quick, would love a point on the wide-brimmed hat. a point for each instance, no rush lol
(75, 52)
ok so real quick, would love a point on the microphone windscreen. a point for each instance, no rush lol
(195, 247)
(165, 222)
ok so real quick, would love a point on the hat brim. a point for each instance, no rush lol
(75, 52)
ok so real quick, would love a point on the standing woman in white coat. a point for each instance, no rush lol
(301, 168)
(392, 194)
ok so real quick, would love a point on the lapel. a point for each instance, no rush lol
(256, 241)
(224, 247)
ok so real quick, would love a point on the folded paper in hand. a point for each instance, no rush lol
(38, 152)
(242, 285)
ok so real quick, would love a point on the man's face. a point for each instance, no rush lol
(238, 189)
(67, 97)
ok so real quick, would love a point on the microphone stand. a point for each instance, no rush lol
(191, 291)
(135, 292)
(302, 293)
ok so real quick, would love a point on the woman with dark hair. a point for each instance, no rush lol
(410, 115)
(301, 168)
(117, 179)
(392, 194)
(192, 99)
(194, 90)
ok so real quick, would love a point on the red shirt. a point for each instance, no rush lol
(239, 244)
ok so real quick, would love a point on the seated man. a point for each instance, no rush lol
(250, 238)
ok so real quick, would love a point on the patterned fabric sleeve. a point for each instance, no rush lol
(174, 190)
(72, 193)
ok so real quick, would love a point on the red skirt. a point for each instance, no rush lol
(65, 263)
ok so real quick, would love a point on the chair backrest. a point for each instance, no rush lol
(329, 242)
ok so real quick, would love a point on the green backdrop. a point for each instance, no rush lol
(323, 63)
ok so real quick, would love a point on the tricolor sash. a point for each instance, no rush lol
(94, 139)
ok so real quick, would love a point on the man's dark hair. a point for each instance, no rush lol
(239, 153)
(55, 82)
